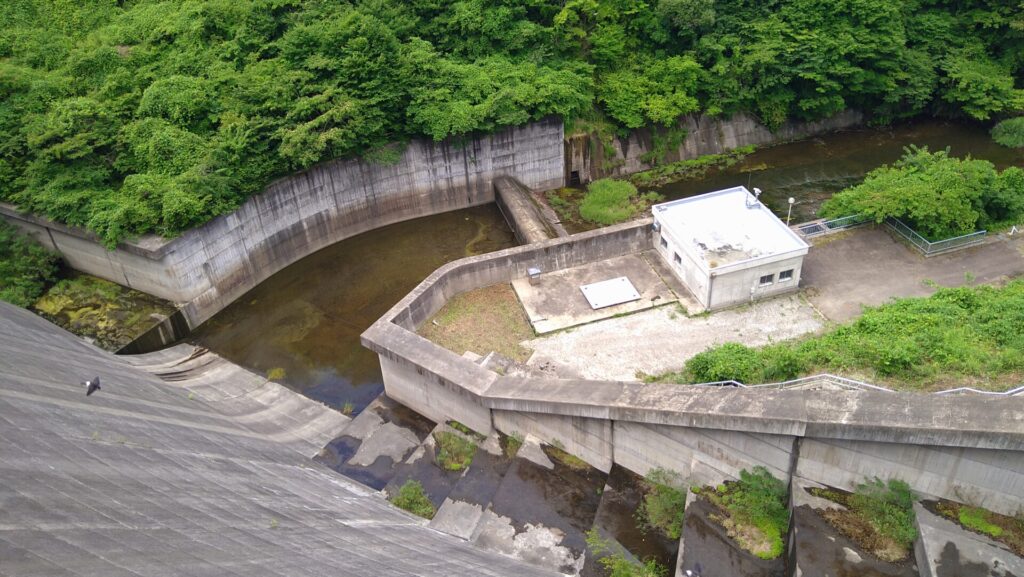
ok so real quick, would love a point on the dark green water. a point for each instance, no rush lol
(306, 319)
(812, 170)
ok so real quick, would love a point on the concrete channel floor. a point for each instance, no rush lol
(868, 267)
(556, 301)
(661, 339)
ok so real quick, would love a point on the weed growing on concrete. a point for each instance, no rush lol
(616, 563)
(757, 514)
(347, 409)
(275, 374)
(557, 452)
(976, 518)
(411, 498)
(879, 517)
(664, 502)
(454, 452)
(274, 523)
(513, 443)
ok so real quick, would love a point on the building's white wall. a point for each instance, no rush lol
(742, 285)
(688, 271)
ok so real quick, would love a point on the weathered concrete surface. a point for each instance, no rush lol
(208, 267)
(587, 157)
(707, 543)
(945, 550)
(138, 479)
(556, 301)
(661, 340)
(516, 203)
(845, 273)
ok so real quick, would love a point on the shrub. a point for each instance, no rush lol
(455, 452)
(729, 361)
(25, 267)
(412, 498)
(1010, 132)
(664, 502)
(759, 499)
(608, 202)
(889, 507)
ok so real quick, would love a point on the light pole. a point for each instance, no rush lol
(790, 213)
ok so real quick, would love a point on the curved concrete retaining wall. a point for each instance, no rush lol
(955, 447)
(589, 159)
(208, 267)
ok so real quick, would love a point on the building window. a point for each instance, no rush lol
(677, 258)
(786, 275)
(664, 243)
(767, 279)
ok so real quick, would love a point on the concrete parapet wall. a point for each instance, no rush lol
(208, 267)
(947, 446)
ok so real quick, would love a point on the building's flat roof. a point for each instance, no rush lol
(727, 226)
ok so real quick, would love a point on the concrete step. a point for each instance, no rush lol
(542, 510)
(377, 441)
(463, 508)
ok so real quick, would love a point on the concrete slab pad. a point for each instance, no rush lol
(556, 302)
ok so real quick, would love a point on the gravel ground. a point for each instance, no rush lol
(662, 339)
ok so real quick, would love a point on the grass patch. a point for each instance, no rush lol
(557, 452)
(511, 444)
(1010, 132)
(1003, 528)
(411, 498)
(26, 268)
(454, 452)
(690, 168)
(466, 430)
(483, 320)
(609, 201)
(615, 562)
(755, 511)
(879, 517)
(958, 336)
(664, 502)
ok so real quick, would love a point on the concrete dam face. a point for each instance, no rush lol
(144, 478)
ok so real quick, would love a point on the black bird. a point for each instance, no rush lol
(91, 386)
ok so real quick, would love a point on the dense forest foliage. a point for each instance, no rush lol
(134, 116)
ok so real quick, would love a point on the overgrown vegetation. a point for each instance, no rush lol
(412, 498)
(757, 515)
(512, 444)
(879, 517)
(937, 195)
(691, 168)
(615, 562)
(609, 201)
(1005, 529)
(664, 502)
(26, 268)
(454, 452)
(967, 335)
(557, 452)
(154, 116)
(1010, 132)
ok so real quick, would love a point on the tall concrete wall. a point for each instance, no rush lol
(965, 447)
(208, 267)
(591, 159)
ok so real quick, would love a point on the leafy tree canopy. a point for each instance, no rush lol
(156, 115)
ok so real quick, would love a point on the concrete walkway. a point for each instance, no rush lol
(662, 339)
(868, 267)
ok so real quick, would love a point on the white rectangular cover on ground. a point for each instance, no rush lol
(610, 292)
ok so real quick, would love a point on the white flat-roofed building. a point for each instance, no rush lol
(727, 247)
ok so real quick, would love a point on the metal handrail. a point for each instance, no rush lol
(929, 248)
(851, 384)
